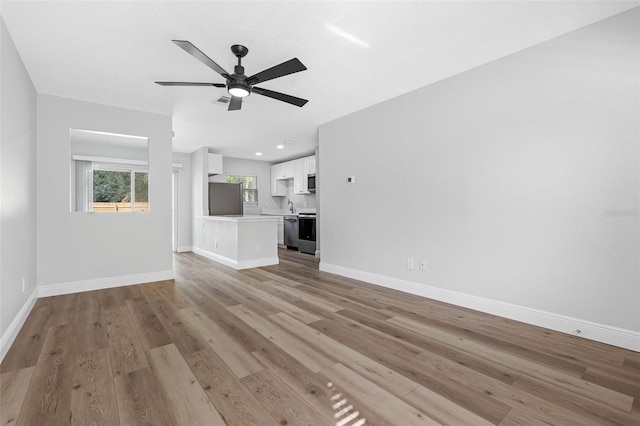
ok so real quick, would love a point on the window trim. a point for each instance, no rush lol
(254, 190)
(113, 165)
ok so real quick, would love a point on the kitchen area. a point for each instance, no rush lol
(295, 182)
(251, 208)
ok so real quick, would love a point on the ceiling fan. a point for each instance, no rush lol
(238, 84)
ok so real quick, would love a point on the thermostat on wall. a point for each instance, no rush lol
(351, 179)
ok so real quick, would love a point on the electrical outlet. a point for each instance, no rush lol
(24, 284)
(423, 264)
(258, 247)
(410, 263)
(215, 243)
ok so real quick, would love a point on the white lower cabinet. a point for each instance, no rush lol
(281, 231)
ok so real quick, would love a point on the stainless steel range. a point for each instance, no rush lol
(307, 231)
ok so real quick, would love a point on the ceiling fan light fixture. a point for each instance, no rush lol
(239, 90)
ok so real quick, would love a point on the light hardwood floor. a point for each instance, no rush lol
(287, 345)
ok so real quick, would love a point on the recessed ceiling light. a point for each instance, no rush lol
(258, 153)
(280, 146)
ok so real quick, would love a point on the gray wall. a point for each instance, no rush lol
(517, 180)
(18, 101)
(87, 246)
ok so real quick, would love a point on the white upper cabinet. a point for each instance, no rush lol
(215, 164)
(296, 170)
(278, 184)
(312, 164)
(301, 170)
(282, 170)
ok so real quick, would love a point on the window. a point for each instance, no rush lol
(109, 172)
(112, 188)
(249, 185)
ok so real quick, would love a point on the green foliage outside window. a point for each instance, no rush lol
(111, 186)
(249, 185)
(141, 187)
(114, 186)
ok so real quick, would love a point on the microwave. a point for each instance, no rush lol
(311, 182)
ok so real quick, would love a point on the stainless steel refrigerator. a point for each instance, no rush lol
(225, 199)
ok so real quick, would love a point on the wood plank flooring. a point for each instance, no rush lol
(289, 345)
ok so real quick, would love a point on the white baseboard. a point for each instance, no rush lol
(183, 249)
(101, 283)
(235, 264)
(627, 339)
(12, 331)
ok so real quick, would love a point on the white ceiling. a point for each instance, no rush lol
(111, 53)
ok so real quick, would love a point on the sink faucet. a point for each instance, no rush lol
(290, 208)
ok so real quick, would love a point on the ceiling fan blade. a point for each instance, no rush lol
(280, 96)
(235, 103)
(285, 68)
(186, 83)
(197, 53)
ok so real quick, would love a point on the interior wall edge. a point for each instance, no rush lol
(627, 339)
(12, 331)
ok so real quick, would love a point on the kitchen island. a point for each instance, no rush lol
(239, 242)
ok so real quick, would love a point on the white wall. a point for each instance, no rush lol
(184, 201)
(89, 247)
(518, 181)
(199, 188)
(18, 102)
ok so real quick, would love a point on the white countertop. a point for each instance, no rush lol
(276, 212)
(247, 218)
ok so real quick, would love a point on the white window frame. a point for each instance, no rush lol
(112, 165)
(255, 191)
